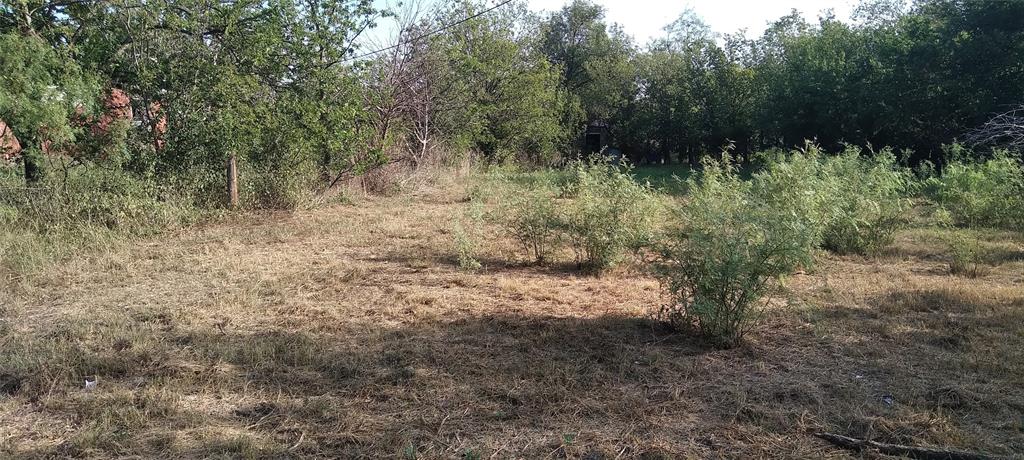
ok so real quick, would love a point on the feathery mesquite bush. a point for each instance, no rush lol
(610, 214)
(866, 201)
(728, 252)
(986, 193)
(598, 209)
(853, 203)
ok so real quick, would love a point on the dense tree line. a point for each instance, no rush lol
(912, 79)
(283, 86)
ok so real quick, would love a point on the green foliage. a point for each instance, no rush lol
(481, 107)
(866, 201)
(465, 247)
(793, 183)
(852, 203)
(95, 197)
(980, 193)
(610, 214)
(968, 257)
(531, 216)
(729, 250)
(467, 234)
(89, 207)
(41, 90)
(594, 59)
(265, 187)
(597, 208)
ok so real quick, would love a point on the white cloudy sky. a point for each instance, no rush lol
(644, 19)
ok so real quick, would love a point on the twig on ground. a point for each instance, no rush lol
(921, 453)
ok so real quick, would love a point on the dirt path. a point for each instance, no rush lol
(350, 332)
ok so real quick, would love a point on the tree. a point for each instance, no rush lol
(43, 96)
(487, 86)
(595, 62)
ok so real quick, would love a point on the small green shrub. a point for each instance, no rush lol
(465, 248)
(610, 214)
(793, 183)
(466, 235)
(724, 259)
(968, 257)
(596, 207)
(530, 215)
(980, 193)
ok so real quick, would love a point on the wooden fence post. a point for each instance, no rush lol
(232, 181)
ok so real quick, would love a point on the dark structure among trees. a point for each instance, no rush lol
(595, 138)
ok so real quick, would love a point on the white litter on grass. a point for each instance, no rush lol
(90, 384)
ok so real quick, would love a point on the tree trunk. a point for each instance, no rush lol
(232, 182)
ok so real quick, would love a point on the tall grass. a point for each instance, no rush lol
(87, 207)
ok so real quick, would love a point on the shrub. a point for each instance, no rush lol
(968, 257)
(980, 193)
(865, 201)
(610, 214)
(729, 250)
(597, 207)
(794, 184)
(466, 236)
(530, 215)
(853, 204)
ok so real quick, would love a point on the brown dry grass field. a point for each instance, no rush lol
(350, 332)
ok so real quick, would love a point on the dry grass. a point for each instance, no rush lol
(350, 332)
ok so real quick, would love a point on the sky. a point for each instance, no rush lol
(645, 19)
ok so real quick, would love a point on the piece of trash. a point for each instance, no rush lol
(90, 384)
(888, 400)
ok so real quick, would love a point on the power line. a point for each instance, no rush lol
(429, 33)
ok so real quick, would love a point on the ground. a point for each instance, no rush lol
(350, 331)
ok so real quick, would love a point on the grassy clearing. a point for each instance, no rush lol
(670, 179)
(351, 331)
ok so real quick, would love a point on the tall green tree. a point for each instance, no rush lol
(595, 62)
(44, 96)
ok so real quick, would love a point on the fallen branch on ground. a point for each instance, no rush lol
(920, 453)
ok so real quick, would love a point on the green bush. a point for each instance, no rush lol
(730, 248)
(596, 207)
(466, 235)
(794, 183)
(980, 193)
(853, 204)
(968, 257)
(610, 214)
(866, 201)
(531, 216)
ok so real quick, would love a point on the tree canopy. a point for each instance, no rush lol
(284, 85)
